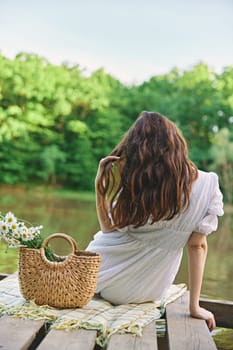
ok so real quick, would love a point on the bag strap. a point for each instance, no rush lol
(61, 235)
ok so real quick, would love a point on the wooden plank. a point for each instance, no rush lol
(148, 340)
(185, 332)
(222, 310)
(80, 339)
(19, 334)
(163, 343)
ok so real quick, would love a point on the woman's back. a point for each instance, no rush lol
(139, 264)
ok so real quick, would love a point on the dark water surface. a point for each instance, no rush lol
(66, 212)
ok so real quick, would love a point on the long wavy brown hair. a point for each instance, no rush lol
(153, 178)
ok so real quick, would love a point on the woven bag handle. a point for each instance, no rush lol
(61, 235)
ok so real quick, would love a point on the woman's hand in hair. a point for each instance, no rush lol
(102, 164)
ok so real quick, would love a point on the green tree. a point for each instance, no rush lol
(56, 123)
(52, 160)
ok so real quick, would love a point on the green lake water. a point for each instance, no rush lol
(73, 214)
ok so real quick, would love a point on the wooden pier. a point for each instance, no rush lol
(183, 332)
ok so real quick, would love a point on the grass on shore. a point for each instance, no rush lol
(58, 192)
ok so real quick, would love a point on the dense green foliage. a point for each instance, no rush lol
(56, 123)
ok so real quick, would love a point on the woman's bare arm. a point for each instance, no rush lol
(197, 252)
(103, 217)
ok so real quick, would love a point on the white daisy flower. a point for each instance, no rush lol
(13, 243)
(25, 236)
(4, 227)
(30, 236)
(35, 230)
(23, 229)
(32, 230)
(13, 226)
(30, 233)
(10, 218)
(16, 235)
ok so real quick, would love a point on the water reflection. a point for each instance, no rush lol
(78, 218)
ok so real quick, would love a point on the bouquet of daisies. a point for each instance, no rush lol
(16, 233)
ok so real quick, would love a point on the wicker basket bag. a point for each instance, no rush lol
(68, 283)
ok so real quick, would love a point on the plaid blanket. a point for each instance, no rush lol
(98, 314)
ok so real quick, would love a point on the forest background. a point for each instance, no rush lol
(56, 122)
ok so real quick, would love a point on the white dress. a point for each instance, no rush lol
(139, 264)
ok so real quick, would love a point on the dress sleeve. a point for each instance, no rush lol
(209, 222)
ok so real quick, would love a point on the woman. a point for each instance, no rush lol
(151, 201)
